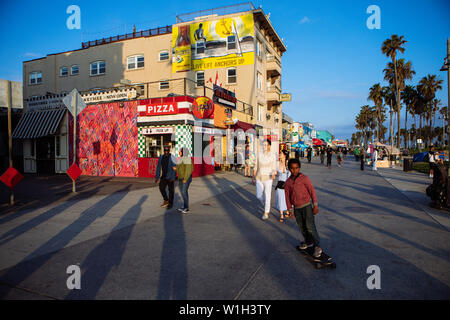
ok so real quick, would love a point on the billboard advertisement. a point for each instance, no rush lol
(221, 43)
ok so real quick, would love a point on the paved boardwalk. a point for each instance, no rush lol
(129, 248)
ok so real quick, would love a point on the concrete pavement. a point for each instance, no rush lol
(129, 248)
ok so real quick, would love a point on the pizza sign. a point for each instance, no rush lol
(203, 108)
(160, 109)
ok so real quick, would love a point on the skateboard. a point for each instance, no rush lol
(321, 262)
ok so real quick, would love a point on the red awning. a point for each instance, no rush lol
(243, 125)
(317, 142)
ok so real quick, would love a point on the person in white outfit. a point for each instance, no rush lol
(374, 159)
(283, 175)
(263, 175)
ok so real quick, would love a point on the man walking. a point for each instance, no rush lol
(374, 159)
(165, 175)
(322, 155)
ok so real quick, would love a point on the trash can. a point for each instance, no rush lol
(407, 163)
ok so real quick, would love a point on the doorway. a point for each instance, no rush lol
(45, 150)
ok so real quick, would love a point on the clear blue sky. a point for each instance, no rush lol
(332, 58)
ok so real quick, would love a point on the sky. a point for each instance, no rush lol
(332, 57)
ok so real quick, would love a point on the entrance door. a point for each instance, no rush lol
(45, 150)
(29, 156)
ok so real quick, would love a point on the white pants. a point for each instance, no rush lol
(264, 193)
(374, 165)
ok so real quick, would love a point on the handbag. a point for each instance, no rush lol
(280, 185)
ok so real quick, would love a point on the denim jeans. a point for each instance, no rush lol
(307, 226)
(184, 191)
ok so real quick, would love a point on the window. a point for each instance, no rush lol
(98, 68)
(135, 62)
(74, 70)
(35, 77)
(260, 110)
(164, 85)
(200, 78)
(63, 72)
(259, 81)
(200, 47)
(231, 42)
(231, 75)
(164, 55)
(259, 49)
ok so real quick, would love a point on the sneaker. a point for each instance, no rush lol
(317, 252)
(165, 204)
(180, 209)
(265, 216)
(184, 211)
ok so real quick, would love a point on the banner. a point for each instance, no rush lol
(221, 43)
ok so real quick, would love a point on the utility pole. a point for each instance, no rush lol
(9, 106)
(74, 103)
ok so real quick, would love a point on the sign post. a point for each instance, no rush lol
(9, 103)
(75, 104)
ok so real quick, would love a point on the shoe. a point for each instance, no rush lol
(317, 252)
(184, 211)
(180, 209)
(265, 216)
(304, 246)
(165, 204)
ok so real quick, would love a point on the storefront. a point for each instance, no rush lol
(175, 122)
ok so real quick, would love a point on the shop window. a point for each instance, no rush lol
(58, 146)
(231, 76)
(74, 70)
(63, 72)
(200, 78)
(135, 62)
(98, 68)
(231, 42)
(35, 77)
(154, 145)
(164, 55)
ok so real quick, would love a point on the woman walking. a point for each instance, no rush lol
(263, 175)
(283, 174)
(184, 171)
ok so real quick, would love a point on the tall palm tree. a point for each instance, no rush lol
(409, 96)
(427, 87)
(376, 95)
(399, 73)
(389, 100)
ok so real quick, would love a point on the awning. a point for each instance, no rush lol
(39, 123)
(243, 125)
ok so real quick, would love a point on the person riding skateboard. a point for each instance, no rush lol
(299, 193)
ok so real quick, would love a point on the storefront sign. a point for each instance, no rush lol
(285, 97)
(157, 109)
(224, 96)
(110, 96)
(160, 130)
(203, 108)
(205, 130)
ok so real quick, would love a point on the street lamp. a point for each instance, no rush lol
(444, 130)
(446, 67)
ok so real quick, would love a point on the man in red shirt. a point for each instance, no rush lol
(300, 193)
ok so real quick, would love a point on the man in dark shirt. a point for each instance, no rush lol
(322, 154)
(329, 156)
(165, 175)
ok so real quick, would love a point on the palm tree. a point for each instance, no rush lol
(427, 87)
(376, 95)
(389, 100)
(409, 97)
(402, 71)
(390, 48)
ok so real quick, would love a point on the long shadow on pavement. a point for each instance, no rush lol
(20, 272)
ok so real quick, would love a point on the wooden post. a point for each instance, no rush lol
(74, 105)
(9, 106)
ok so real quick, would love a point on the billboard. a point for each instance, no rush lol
(221, 43)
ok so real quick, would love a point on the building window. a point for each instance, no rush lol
(259, 49)
(98, 68)
(200, 47)
(200, 78)
(231, 76)
(74, 70)
(135, 62)
(164, 55)
(63, 72)
(231, 42)
(259, 81)
(260, 110)
(164, 85)
(35, 77)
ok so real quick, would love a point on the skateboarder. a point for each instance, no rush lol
(299, 193)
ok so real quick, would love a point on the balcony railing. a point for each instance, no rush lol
(133, 35)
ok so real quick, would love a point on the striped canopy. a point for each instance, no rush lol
(38, 123)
